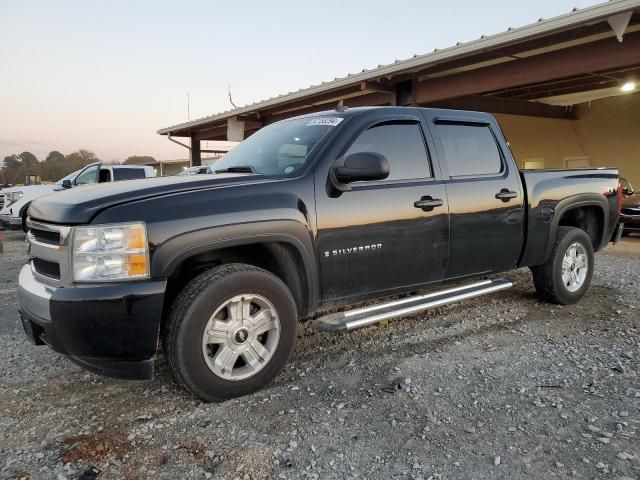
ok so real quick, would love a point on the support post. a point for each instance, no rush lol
(195, 158)
(235, 130)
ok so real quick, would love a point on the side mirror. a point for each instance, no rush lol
(627, 191)
(362, 166)
(66, 184)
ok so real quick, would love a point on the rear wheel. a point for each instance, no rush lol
(566, 275)
(230, 331)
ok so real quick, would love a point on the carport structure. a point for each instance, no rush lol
(563, 89)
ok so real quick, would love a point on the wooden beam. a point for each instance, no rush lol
(247, 118)
(372, 99)
(327, 97)
(368, 86)
(510, 106)
(250, 122)
(592, 57)
(589, 81)
(208, 132)
(584, 87)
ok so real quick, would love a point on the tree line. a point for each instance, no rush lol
(15, 168)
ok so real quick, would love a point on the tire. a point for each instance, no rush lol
(204, 363)
(548, 277)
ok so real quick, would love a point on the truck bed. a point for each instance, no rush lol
(550, 193)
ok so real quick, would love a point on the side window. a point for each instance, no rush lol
(105, 175)
(403, 146)
(469, 149)
(89, 175)
(127, 173)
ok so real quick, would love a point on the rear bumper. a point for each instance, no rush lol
(631, 222)
(109, 329)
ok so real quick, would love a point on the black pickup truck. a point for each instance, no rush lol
(306, 216)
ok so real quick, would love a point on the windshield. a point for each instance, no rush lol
(71, 176)
(280, 149)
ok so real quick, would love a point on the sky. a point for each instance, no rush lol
(106, 76)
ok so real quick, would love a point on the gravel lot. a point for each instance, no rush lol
(498, 387)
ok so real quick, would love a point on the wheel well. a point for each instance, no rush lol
(23, 215)
(281, 259)
(588, 218)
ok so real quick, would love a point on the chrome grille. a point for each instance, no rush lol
(49, 251)
(45, 236)
(46, 268)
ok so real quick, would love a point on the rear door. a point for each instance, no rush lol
(484, 192)
(373, 237)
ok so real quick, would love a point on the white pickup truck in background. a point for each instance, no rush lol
(17, 199)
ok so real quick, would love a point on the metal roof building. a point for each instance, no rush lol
(549, 69)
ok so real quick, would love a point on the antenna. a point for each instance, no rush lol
(188, 107)
(230, 99)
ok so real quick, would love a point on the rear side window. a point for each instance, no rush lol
(469, 149)
(403, 146)
(127, 173)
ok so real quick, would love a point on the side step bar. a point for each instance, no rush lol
(363, 317)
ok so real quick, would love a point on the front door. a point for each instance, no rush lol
(389, 234)
(485, 196)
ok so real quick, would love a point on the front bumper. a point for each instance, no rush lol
(111, 329)
(631, 222)
(11, 222)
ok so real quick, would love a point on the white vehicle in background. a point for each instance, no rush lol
(197, 170)
(17, 199)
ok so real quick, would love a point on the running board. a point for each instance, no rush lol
(363, 317)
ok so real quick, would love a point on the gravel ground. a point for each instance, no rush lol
(498, 387)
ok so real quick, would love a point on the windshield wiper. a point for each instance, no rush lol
(237, 169)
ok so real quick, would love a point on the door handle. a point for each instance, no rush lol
(427, 203)
(505, 195)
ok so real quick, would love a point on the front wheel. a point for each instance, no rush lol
(566, 275)
(230, 331)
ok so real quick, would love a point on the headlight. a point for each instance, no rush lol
(13, 197)
(110, 252)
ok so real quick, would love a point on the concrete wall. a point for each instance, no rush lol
(608, 134)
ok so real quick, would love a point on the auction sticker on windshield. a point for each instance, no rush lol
(328, 121)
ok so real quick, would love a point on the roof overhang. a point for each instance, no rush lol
(510, 72)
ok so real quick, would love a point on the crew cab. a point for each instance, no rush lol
(17, 199)
(308, 215)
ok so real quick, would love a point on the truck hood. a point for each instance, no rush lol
(79, 205)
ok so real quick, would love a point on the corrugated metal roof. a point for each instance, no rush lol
(541, 27)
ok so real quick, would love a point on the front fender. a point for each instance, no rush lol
(170, 254)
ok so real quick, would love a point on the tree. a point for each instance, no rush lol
(80, 158)
(55, 157)
(54, 167)
(30, 162)
(139, 160)
(11, 167)
(16, 167)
